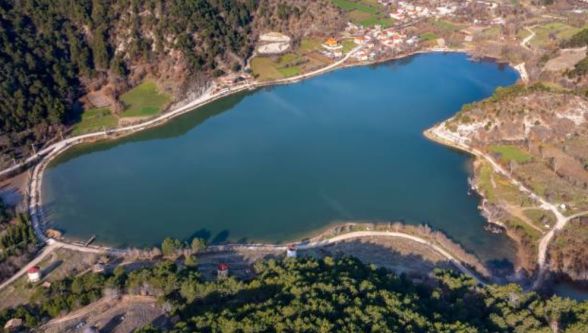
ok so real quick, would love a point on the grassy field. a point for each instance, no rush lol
(541, 216)
(367, 13)
(492, 33)
(385, 22)
(511, 153)
(289, 71)
(144, 100)
(264, 68)
(309, 44)
(95, 119)
(552, 32)
(446, 26)
(348, 45)
(428, 36)
(287, 65)
(360, 5)
(496, 187)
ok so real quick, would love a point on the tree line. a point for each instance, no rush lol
(48, 48)
(314, 295)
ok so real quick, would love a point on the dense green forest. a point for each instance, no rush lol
(49, 48)
(311, 295)
(17, 240)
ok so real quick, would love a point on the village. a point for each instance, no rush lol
(410, 27)
(479, 28)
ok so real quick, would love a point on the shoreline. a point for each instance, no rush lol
(430, 135)
(187, 106)
(45, 156)
(35, 183)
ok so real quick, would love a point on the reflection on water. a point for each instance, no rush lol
(279, 163)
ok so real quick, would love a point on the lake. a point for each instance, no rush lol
(280, 163)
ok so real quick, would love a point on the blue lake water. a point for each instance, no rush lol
(280, 163)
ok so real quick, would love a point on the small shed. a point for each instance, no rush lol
(222, 271)
(291, 251)
(34, 274)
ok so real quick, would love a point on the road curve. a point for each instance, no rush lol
(441, 134)
(306, 245)
(363, 234)
(205, 98)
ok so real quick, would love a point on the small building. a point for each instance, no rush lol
(360, 40)
(222, 271)
(331, 44)
(291, 251)
(34, 274)
(98, 268)
(13, 325)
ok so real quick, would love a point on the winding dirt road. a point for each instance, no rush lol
(441, 134)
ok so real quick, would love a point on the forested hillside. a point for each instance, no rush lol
(310, 295)
(53, 52)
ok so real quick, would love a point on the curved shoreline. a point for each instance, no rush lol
(317, 242)
(44, 156)
(36, 203)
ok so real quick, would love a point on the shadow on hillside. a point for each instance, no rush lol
(388, 256)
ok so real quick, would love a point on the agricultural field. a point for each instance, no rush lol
(271, 68)
(549, 34)
(367, 13)
(348, 45)
(95, 119)
(446, 27)
(303, 59)
(491, 33)
(508, 153)
(428, 36)
(144, 100)
(310, 44)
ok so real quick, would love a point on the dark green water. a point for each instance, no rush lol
(280, 163)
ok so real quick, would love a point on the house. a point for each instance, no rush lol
(331, 44)
(222, 271)
(291, 251)
(360, 40)
(34, 274)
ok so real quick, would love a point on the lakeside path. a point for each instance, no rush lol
(442, 135)
(305, 245)
(202, 100)
(44, 156)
